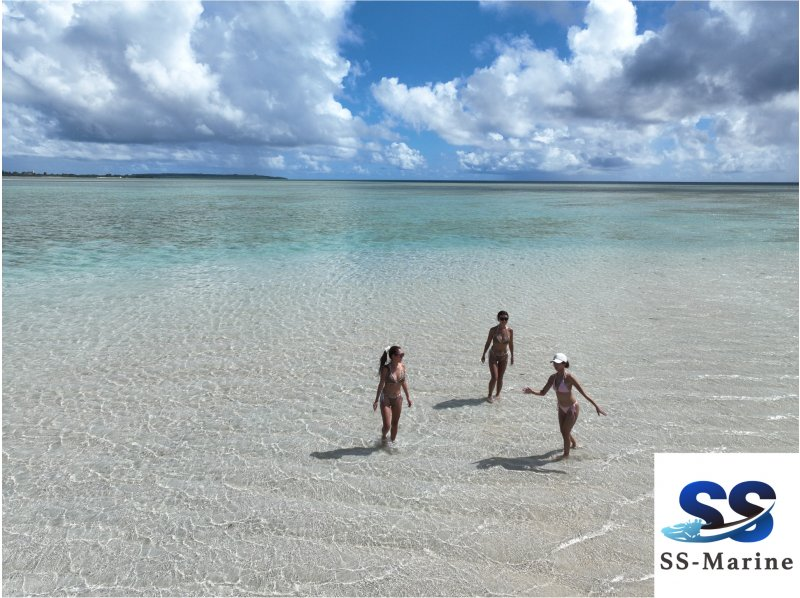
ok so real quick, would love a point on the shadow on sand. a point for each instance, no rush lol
(453, 403)
(356, 451)
(534, 463)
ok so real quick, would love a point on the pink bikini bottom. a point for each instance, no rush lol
(572, 409)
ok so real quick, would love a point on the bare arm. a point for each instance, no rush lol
(404, 385)
(511, 344)
(528, 390)
(577, 385)
(486, 346)
(381, 384)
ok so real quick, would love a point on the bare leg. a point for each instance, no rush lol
(566, 421)
(501, 369)
(397, 408)
(493, 372)
(386, 416)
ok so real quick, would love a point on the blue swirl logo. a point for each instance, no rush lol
(709, 524)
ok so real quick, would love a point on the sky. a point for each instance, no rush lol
(559, 91)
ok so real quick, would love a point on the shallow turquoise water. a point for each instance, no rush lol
(189, 368)
(50, 226)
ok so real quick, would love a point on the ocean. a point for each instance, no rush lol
(189, 368)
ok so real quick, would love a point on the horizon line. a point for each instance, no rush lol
(34, 174)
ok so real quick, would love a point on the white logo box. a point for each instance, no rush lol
(768, 567)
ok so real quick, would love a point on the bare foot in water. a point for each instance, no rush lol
(560, 457)
(490, 399)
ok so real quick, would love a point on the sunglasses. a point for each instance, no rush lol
(503, 318)
(399, 354)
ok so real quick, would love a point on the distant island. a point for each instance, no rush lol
(161, 175)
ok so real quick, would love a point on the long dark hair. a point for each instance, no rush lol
(387, 355)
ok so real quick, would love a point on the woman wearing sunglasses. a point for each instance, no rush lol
(393, 380)
(501, 339)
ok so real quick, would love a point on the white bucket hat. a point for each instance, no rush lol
(559, 358)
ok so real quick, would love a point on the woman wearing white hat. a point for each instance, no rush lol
(563, 381)
(393, 380)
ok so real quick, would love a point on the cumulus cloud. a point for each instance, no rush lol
(715, 90)
(274, 162)
(136, 74)
(719, 55)
(400, 155)
(260, 85)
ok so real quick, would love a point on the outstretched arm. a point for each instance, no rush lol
(577, 385)
(528, 390)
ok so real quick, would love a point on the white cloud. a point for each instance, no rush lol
(261, 85)
(315, 163)
(406, 158)
(739, 13)
(437, 107)
(274, 162)
(519, 109)
(625, 99)
(607, 39)
(134, 73)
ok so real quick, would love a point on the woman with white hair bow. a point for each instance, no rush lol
(393, 380)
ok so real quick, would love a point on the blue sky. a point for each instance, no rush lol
(601, 90)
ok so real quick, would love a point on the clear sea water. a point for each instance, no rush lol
(189, 368)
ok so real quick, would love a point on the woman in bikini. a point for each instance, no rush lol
(563, 381)
(393, 380)
(501, 338)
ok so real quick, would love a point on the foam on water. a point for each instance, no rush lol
(189, 372)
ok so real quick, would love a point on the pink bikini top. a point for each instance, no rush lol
(562, 387)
